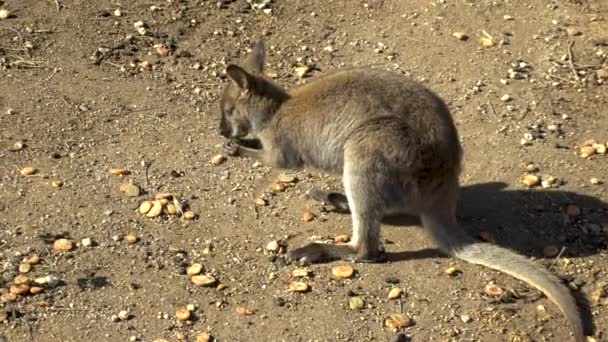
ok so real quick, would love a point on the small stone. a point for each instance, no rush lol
(595, 181)
(36, 290)
(573, 31)
(4, 13)
(217, 159)
(56, 184)
(308, 216)
(273, 246)
(298, 287)
(189, 215)
(180, 336)
(487, 42)
(63, 245)
(243, 311)
(183, 314)
(530, 180)
(162, 50)
(25, 268)
(573, 210)
(505, 98)
(398, 321)
(194, 269)
(117, 12)
(86, 242)
(452, 271)
(394, 293)
(114, 318)
(341, 239)
(131, 238)
(342, 271)
(49, 280)
(356, 303)
(203, 280)
(278, 187)
(550, 251)
(506, 17)
(20, 279)
(123, 315)
(466, 318)
(120, 172)
(493, 290)
(130, 189)
(599, 148)
(460, 35)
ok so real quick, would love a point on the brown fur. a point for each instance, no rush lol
(394, 143)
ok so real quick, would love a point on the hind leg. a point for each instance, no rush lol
(366, 196)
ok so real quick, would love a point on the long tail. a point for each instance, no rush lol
(454, 241)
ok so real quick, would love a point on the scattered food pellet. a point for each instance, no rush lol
(287, 178)
(156, 210)
(203, 337)
(33, 260)
(587, 151)
(120, 172)
(342, 272)
(493, 290)
(300, 272)
(27, 171)
(8, 297)
(599, 148)
(278, 187)
(36, 290)
(63, 245)
(261, 201)
(460, 35)
(356, 303)
(452, 271)
(243, 311)
(302, 71)
(183, 314)
(130, 189)
(394, 293)
(19, 289)
(298, 287)
(21, 279)
(131, 238)
(530, 180)
(56, 184)
(398, 321)
(194, 269)
(217, 159)
(342, 239)
(25, 268)
(308, 216)
(550, 251)
(203, 280)
(189, 215)
(145, 207)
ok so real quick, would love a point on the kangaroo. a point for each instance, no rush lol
(395, 145)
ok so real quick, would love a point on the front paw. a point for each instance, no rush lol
(231, 148)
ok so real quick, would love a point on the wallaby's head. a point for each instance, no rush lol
(249, 100)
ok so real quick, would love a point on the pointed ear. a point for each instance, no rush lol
(256, 58)
(239, 76)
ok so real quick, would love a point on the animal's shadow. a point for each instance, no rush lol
(526, 221)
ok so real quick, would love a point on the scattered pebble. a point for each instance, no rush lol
(123, 315)
(287, 178)
(342, 272)
(49, 280)
(278, 187)
(587, 151)
(63, 245)
(356, 303)
(131, 238)
(595, 181)
(25, 268)
(466, 318)
(56, 184)
(460, 35)
(599, 148)
(33, 260)
(183, 314)
(300, 272)
(261, 201)
(505, 98)
(394, 293)
(8, 297)
(302, 71)
(217, 159)
(273, 246)
(19, 289)
(203, 337)
(298, 287)
(4, 13)
(398, 321)
(493, 290)
(189, 215)
(573, 31)
(308, 216)
(342, 239)
(203, 280)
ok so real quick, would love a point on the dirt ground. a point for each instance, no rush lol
(85, 88)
